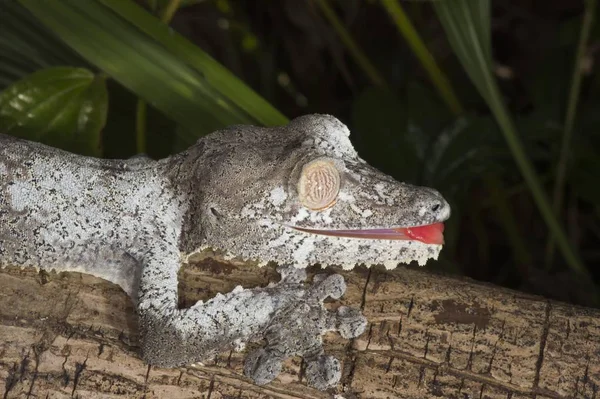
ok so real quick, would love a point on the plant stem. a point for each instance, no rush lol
(169, 11)
(356, 52)
(561, 172)
(439, 79)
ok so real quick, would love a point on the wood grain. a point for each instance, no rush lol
(430, 336)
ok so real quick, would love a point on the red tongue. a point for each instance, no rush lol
(430, 234)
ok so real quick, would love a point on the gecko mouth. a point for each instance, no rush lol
(428, 234)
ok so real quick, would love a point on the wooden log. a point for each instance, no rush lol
(429, 336)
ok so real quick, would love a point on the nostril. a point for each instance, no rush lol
(436, 207)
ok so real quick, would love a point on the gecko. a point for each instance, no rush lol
(293, 195)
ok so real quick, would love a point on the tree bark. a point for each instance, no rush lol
(429, 336)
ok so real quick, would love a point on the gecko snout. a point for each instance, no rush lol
(440, 209)
(431, 205)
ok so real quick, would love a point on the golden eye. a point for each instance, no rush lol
(319, 184)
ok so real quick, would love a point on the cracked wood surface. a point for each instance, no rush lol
(71, 335)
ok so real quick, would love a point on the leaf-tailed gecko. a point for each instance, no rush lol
(295, 195)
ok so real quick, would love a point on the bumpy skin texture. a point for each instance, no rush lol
(134, 222)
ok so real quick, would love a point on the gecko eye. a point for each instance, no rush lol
(319, 184)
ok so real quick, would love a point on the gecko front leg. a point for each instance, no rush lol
(297, 331)
(288, 315)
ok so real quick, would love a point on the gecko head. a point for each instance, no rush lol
(300, 194)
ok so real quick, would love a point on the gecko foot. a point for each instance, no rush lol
(297, 329)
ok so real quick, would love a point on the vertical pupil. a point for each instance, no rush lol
(321, 185)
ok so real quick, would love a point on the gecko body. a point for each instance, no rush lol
(295, 195)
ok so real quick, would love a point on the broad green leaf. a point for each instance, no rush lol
(63, 107)
(219, 77)
(154, 62)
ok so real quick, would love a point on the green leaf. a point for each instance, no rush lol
(27, 46)
(467, 25)
(154, 62)
(63, 107)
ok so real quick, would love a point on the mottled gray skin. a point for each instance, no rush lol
(134, 222)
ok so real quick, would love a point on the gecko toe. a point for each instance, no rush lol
(262, 366)
(350, 322)
(332, 286)
(291, 274)
(323, 372)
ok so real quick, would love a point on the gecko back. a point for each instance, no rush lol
(71, 213)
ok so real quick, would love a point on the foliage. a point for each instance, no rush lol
(60, 106)
(470, 125)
